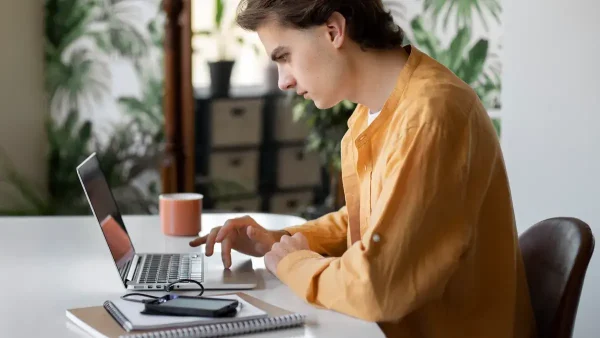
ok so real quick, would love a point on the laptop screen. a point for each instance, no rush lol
(104, 208)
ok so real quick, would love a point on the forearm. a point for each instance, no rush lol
(326, 235)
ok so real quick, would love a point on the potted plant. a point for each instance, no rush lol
(327, 127)
(225, 33)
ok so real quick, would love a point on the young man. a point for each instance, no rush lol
(426, 245)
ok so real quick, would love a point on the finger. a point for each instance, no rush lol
(210, 241)
(198, 241)
(234, 224)
(286, 239)
(300, 239)
(268, 261)
(280, 249)
(271, 262)
(226, 252)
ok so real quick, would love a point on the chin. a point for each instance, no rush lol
(322, 104)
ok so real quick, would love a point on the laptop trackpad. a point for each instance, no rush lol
(240, 275)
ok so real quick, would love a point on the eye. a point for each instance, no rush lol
(284, 57)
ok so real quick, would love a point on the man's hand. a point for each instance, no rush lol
(284, 247)
(241, 234)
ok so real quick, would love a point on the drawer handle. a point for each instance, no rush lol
(235, 162)
(238, 111)
(292, 204)
(300, 155)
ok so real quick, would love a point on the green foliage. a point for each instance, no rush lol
(129, 153)
(69, 144)
(119, 30)
(219, 9)
(497, 125)
(69, 76)
(327, 127)
(462, 11)
(65, 22)
(147, 112)
(466, 61)
(81, 38)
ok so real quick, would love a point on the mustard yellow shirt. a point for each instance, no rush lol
(426, 245)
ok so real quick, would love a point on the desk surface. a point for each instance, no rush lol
(50, 264)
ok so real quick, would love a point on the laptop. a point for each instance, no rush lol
(154, 271)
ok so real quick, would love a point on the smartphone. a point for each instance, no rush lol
(176, 305)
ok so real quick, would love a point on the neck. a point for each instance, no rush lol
(374, 75)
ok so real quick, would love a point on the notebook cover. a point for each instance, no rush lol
(98, 322)
(130, 316)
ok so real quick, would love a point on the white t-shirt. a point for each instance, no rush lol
(372, 116)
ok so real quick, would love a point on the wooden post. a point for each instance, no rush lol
(187, 98)
(178, 165)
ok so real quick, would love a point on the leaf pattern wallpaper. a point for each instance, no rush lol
(103, 80)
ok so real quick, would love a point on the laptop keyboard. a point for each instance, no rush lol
(169, 268)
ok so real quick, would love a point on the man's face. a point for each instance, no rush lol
(308, 61)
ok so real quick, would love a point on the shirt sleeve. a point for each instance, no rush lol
(326, 235)
(419, 231)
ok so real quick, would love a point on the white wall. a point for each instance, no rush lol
(22, 105)
(551, 121)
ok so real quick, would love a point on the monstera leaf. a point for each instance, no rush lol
(462, 10)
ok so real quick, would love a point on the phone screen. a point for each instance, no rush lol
(198, 303)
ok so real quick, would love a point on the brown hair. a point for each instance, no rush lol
(369, 24)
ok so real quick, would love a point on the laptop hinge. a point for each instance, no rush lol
(132, 268)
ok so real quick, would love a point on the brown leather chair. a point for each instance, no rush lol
(556, 253)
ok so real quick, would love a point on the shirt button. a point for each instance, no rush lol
(376, 238)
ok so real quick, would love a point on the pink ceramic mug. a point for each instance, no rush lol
(180, 214)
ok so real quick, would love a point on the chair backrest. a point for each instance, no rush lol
(556, 253)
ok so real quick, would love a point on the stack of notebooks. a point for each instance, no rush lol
(122, 319)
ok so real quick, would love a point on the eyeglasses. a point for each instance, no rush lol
(168, 288)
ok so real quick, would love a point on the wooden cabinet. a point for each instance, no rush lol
(249, 154)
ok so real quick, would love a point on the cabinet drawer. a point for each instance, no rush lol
(285, 127)
(236, 122)
(296, 167)
(291, 203)
(242, 205)
(234, 172)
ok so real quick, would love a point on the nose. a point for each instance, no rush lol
(286, 80)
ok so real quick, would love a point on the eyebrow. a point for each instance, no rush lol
(276, 51)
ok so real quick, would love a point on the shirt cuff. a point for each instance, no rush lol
(298, 269)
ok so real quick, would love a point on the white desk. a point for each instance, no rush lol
(50, 264)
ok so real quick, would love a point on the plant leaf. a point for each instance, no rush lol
(424, 39)
(457, 48)
(219, 7)
(473, 67)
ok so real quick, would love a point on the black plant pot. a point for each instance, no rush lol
(220, 76)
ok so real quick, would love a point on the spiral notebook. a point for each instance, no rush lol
(99, 322)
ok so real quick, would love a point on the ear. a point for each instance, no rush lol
(336, 28)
